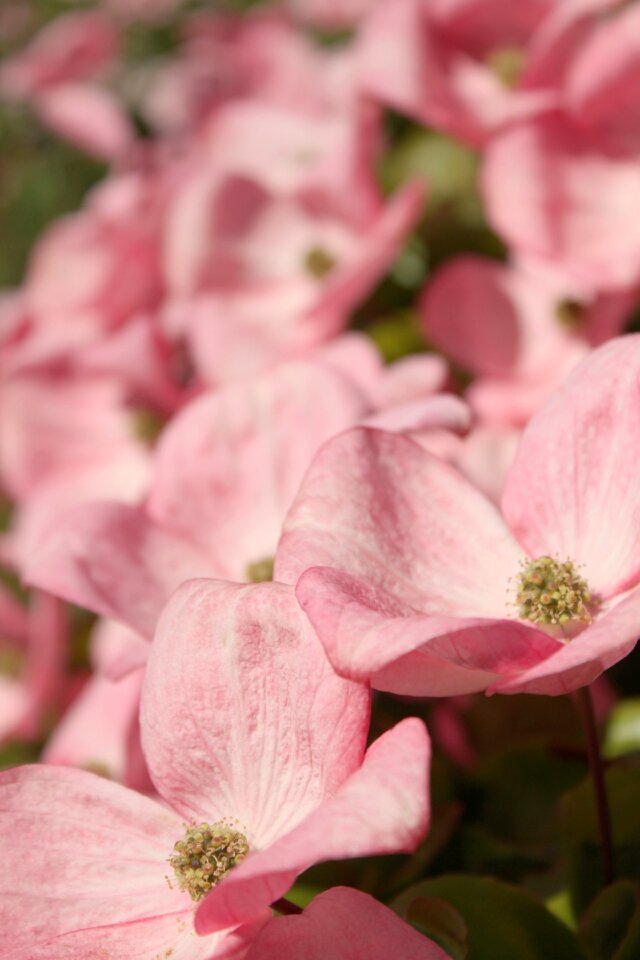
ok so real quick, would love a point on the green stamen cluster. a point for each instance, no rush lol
(205, 855)
(506, 63)
(319, 262)
(260, 571)
(552, 592)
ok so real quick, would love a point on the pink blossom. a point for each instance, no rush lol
(559, 186)
(469, 66)
(345, 925)
(413, 579)
(519, 329)
(226, 471)
(245, 727)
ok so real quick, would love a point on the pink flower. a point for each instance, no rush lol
(519, 329)
(226, 471)
(412, 579)
(560, 186)
(246, 731)
(470, 66)
(343, 924)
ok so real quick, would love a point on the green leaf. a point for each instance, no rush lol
(580, 834)
(623, 729)
(610, 929)
(439, 921)
(503, 922)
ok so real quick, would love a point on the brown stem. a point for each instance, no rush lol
(596, 767)
(286, 907)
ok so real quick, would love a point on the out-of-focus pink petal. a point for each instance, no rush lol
(343, 924)
(242, 715)
(90, 854)
(116, 650)
(382, 808)
(579, 661)
(91, 117)
(377, 506)
(110, 558)
(553, 193)
(228, 466)
(349, 284)
(443, 412)
(572, 490)
(93, 734)
(467, 313)
(603, 83)
(366, 631)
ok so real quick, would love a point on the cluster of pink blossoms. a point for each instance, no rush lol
(269, 521)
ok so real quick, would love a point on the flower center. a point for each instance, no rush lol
(318, 262)
(260, 571)
(507, 64)
(570, 313)
(205, 854)
(552, 592)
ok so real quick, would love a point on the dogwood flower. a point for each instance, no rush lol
(257, 751)
(414, 580)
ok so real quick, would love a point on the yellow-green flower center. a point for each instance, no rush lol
(552, 592)
(570, 313)
(507, 64)
(205, 854)
(260, 570)
(319, 262)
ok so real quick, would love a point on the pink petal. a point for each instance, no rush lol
(89, 116)
(443, 412)
(242, 715)
(229, 465)
(572, 489)
(369, 635)
(468, 313)
(94, 732)
(343, 924)
(382, 808)
(79, 852)
(378, 507)
(553, 192)
(111, 559)
(347, 286)
(578, 662)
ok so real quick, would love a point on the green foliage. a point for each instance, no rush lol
(610, 929)
(501, 921)
(579, 832)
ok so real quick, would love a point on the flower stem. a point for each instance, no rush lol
(596, 768)
(285, 907)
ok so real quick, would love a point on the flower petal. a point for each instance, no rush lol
(573, 489)
(79, 852)
(382, 808)
(369, 635)
(110, 558)
(242, 715)
(229, 465)
(377, 506)
(343, 924)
